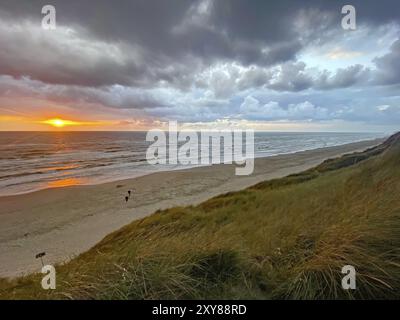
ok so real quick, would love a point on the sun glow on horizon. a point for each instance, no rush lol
(60, 123)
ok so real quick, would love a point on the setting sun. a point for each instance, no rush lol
(56, 123)
(60, 123)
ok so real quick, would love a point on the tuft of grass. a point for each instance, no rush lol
(281, 239)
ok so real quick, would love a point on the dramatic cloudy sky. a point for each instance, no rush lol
(269, 65)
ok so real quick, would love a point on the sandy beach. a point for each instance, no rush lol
(65, 222)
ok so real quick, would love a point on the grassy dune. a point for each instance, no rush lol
(286, 238)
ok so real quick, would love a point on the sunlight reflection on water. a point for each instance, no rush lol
(66, 182)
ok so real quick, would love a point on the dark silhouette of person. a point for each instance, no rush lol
(129, 192)
(126, 199)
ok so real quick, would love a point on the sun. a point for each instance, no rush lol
(60, 123)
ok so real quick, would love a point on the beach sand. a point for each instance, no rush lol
(67, 221)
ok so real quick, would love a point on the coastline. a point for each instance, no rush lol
(67, 221)
(28, 175)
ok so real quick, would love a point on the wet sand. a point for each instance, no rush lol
(65, 222)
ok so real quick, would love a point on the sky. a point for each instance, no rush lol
(135, 65)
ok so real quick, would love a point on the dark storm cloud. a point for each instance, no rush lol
(176, 38)
(388, 66)
(76, 96)
(292, 77)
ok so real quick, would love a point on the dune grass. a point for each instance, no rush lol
(281, 239)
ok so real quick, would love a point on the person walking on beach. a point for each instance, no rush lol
(126, 199)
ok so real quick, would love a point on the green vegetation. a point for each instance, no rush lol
(286, 238)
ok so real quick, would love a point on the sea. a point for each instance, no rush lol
(31, 161)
